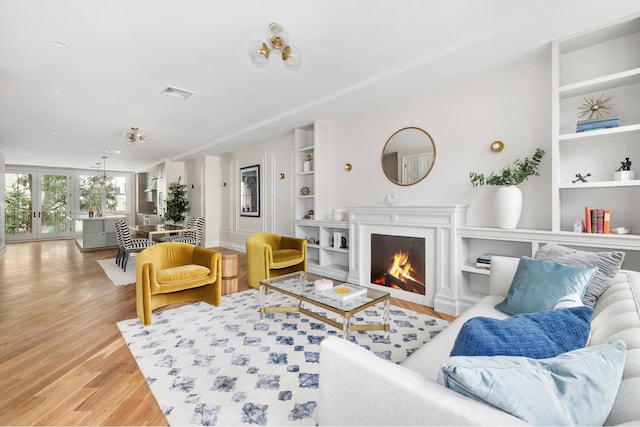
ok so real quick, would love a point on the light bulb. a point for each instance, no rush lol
(277, 36)
(292, 57)
(259, 53)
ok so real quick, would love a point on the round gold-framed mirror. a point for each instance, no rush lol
(408, 156)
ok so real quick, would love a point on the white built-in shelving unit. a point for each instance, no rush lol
(322, 257)
(600, 63)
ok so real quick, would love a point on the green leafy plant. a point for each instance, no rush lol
(177, 203)
(513, 174)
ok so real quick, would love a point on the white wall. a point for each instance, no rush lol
(234, 229)
(512, 105)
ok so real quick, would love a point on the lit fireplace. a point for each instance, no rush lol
(398, 262)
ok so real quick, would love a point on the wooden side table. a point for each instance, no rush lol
(229, 273)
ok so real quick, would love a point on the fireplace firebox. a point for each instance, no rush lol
(398, 262)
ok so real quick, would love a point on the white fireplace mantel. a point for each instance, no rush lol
(437, 224)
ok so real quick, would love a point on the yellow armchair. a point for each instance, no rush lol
(174, 272)
(270, 255)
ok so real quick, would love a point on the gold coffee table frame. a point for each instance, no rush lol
(300, 286)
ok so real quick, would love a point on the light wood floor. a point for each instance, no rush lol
(62, 358)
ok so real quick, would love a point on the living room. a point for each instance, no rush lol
(464, 102)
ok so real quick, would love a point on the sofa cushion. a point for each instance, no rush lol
(181, 273)
(538, 284)
(568, 301)
(537, 335)
(575, 388)
(608, 264)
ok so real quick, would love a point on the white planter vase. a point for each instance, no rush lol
(508, 206)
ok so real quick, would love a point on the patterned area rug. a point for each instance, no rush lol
(115, 273)
(222, 365)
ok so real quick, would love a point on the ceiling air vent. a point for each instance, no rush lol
(177, 92)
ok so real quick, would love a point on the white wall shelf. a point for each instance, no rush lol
(602, 62)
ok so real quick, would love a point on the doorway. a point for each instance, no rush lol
(37, 205)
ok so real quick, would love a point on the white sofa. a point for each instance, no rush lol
(360, 388)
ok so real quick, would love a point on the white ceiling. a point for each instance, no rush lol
(358, 54)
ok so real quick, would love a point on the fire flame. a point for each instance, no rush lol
(401, 268)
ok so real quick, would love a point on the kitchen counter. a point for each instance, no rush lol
(96, 232)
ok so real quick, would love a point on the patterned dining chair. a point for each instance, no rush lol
(193, 237)
(126, 244)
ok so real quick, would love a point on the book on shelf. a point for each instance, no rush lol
(601, 123)
(597, 221)
(484, 261)
(345, 292)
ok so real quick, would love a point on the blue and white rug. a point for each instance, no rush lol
(223, 366)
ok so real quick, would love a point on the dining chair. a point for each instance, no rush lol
(193, 237)
(126, 244)
(189, 222)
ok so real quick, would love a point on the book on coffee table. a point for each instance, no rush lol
(344, 292)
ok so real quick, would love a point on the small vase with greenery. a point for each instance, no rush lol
(513, 174)
(177, 203)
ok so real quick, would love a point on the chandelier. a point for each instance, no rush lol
(133, 135)
(103, 180)
(276, 40)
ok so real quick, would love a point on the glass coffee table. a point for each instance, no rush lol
(300, 285)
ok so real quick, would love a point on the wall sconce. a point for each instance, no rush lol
(224, 184)
(496, 146)
(281, 175)
(276, 40)
(348, 167)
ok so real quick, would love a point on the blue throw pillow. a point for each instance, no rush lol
(575, 388)
(538, 284)
(537, 335)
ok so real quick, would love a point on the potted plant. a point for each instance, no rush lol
(177, 203)
(508, 198)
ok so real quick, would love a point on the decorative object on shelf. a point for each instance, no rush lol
(177, 203)
(250, 191)
(621, 230)
(496, 146)
(594, 107)
(307, 165)
(348, 167)
(508, 197)
(309, 215)
(276, 40)
(305, 191)
(311, 240)
(391, 199)
(581, 178)
(338, 214)
(624, 172)
(133, 135)
(339, 240)
(578, 226)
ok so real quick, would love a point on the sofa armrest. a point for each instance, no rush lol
(359, 388)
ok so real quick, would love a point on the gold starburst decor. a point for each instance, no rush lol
(595, 108)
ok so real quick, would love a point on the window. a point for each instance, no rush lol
(109, 194)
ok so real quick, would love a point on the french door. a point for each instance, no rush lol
(37, 205)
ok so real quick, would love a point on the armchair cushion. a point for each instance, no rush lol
(286, 257)
(181, 273)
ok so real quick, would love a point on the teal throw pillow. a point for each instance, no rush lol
(538, 284)
(537, 335)
(608, 264)
(575, 388)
